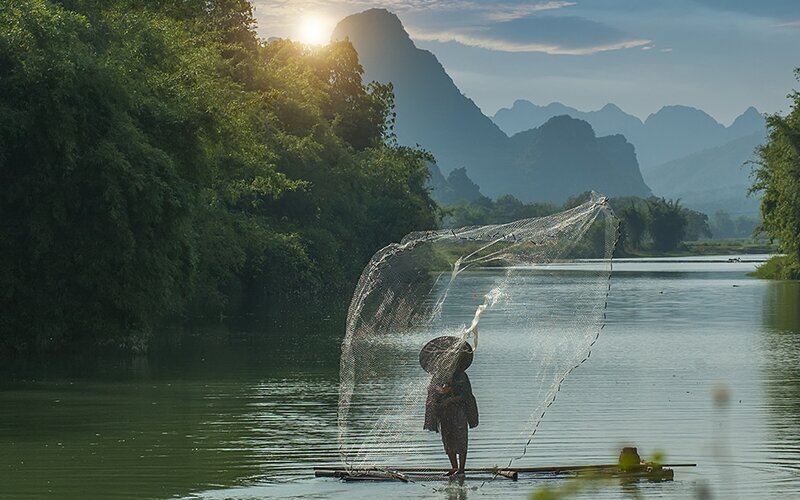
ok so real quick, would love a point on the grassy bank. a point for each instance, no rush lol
(780, 267)
(729, 247)
(710, 247)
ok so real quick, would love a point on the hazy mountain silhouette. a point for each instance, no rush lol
(748, 123)
(565, 157)
(524, 115)
(455, 189)
(672, 132)
(559, 160)
(713, 179)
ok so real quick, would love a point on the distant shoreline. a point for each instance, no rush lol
(711, 247)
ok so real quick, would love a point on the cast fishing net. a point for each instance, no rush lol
(529, 296)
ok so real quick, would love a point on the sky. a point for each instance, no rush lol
(717, 55)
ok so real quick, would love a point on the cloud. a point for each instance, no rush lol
(506, 46)
(779, 9)
(502, 25)
(273, 14)
(508, 12)
(503, 10)
(558, 35)
(789, 24)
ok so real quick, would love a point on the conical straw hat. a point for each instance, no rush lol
(432, 356)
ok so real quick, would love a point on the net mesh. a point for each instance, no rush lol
(528, 296)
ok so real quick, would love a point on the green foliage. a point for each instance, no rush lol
(157, 160)
(485, 211)
(777, 177)
(98, 234)
(667, 223)
(644, 223)
(578, 199)
(723, 226)
(779, 267)
(658, 458)
(697, 226)
(633, 225)
(728, 247)
(657, 224)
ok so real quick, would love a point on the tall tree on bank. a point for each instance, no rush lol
(634, 225)
(667, 223)
(777, 176)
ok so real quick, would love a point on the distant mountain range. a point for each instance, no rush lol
(713, 179)
(683, 152)
(550, 156)
(672, 132)
(560, 159)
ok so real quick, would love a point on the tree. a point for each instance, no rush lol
(634, 224)
(504, 209)
(777, 177)
(99, 156)
(696, 225)
(745, 226)
(723, 225)
(667, 223)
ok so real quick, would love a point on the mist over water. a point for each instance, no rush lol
(697, 361)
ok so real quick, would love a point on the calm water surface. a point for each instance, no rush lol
(246, 414)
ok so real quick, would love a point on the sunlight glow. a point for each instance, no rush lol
(314, 30)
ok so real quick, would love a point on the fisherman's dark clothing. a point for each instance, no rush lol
(451, 410)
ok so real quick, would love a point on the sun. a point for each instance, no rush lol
(314, 30)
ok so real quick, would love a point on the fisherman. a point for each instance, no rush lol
(450, 409)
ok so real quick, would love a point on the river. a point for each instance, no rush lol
(697, 361)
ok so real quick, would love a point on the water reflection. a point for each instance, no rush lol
(781, 333)
(206, 409)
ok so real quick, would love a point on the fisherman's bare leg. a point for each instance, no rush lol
(453, 464)
(463, 458)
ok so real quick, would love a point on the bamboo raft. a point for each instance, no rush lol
(643, 471)
(629, 467)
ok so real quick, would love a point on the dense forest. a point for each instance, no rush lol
(777, 176)
(158, 161)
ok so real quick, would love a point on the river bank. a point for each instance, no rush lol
(710, 247)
